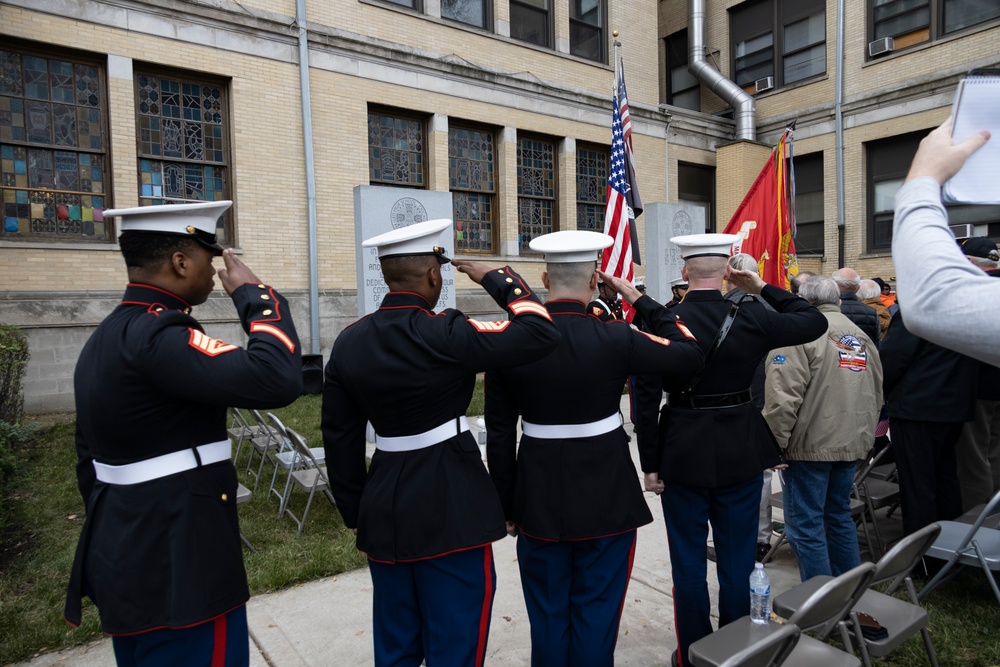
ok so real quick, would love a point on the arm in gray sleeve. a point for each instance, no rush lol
(944, 298)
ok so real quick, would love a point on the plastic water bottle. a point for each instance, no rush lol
(760, 595)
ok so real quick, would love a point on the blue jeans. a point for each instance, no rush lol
(818, 523)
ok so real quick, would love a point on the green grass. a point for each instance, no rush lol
(45, 516)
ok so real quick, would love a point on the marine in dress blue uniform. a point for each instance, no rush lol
(571, 490)
(607, 306)
(425, 511)
(160, 552)
(710, 444)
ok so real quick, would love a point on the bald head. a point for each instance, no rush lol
(847, 279)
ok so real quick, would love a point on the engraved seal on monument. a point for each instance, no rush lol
(406, 212)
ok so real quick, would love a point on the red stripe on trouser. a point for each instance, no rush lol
(628, 577)
(219, 646)
(681, 659)
(484, 617)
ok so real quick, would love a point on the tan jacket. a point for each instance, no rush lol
(822, 399)
(883, 314)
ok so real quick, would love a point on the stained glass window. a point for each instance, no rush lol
(183, 147)
(472, 181)
(591, 187)
(396, 150)
(53, 147)
(536, 190)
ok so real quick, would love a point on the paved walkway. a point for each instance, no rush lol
(328, 622)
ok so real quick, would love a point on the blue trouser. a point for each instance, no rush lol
(574, 592)
(221, 642)
(436, 609)
(732, 511)
(818, 522)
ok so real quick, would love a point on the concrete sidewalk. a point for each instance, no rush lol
(328, 622)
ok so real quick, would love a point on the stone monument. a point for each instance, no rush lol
(663, 259)
(379, 209)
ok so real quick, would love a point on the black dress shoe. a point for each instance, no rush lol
(762, 550)
(674, 660)
(710, 554)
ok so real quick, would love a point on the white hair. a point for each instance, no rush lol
(818, 291)
(744, 262)
(847, 279)
(868, 289)
(984, 263)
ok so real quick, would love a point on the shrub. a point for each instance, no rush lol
(13, 361)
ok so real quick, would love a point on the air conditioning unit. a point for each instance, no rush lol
(881, 46)
(767, 83)
(962, 231)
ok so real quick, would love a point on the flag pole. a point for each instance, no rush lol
(617, 44)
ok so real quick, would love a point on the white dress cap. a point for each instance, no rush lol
(570, 246)
(678, 282)
(705, 245)
(198, 221)
(422, 238)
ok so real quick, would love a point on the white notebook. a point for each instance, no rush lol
(977, 107)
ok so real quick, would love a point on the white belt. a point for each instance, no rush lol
(561, 431)
(406, 443)
(161, 466)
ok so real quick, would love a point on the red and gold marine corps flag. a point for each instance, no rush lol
(765, 220)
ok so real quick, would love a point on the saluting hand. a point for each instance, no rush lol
(475, 270)
(236, 272)
(748, 281)
(625, 288)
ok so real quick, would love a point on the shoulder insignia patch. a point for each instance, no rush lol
(656, 339)
(684, 329)
(264, 327)
(780, 359)
(529, 308)
(597, 310)
(489, 327)
(212, 347)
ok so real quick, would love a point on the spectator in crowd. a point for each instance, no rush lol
(796, 281)
(978, 449)
(943, 294)
(886, 294)
(864, 316)
(869, 293)
(822, 404)
(931, 392)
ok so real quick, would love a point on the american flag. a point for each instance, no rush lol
(623, 202)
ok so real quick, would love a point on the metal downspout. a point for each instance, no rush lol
(307, 138)
(839, 119)
(742, 103)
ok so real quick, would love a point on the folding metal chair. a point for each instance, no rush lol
(875, 494)
(286, 458)
(770, 651)
(266, 441)
(901, 619)
(962, 544)
(821, 614)
(311, 478)
(243, 494)
(240, 430)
